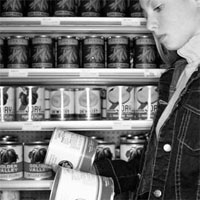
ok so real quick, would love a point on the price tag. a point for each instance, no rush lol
(31, 126)
(17, 73)
(89, 73)
(130, 22)
(50, 21)
(121, 125)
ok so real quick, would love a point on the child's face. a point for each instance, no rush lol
(173, 22)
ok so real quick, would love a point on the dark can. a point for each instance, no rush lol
(2, 53)
(18, 52)
(118, 52)
(145, 55)
(37, 8)
(68, 52)
(11, 8)
(34, 166)
(116, 8)
(64, 8)
(89, 8)
(93, 52)
(42, 52)
(134, 9)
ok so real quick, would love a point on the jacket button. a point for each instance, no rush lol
(167, 147)
(157, 193)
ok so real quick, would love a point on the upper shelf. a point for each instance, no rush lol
(81, 76)
(72, 25)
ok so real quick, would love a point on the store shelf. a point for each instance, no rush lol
(79, 76)
(72, 25)
(26, 185)
(77, 125)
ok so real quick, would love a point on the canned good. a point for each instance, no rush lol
(18, 52)
(11, 160)
(88, 103)
(116, 8)
(2, 53)
(99, 187)
(89, 8)
(11, 8)
(93, 52)
(103, 103)
(118, 52)
(34, 166)
(42, 52)
(134, 9)
(145, 52)
(7, 103)
(145, 102)
(9, 195)
(29, 103)
(64, 8)
(71, 150)
(120, 102)
(37, 8)
(68, 52)
(61, 104)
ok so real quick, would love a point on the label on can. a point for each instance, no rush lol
(68, 52)
(135, 10)
(62, 104)
(71, 150)
(18, 52)
(88, 103)
(118, 55)
(146, 102)
(94, 52)
(64, 8)
(120, 102)
(11, 160)
(11, 8)
(34, 167)
(7, 103)
(38, 8)
(29, 103)
(42, 52)
(116, 8)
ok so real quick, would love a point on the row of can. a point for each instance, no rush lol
(34, 103)
(71, 8)
(68, 51)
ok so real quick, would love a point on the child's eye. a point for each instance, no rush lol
(158, 8)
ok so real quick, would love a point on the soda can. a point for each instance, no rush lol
(71, 150)
(99, 187)
(120, 103)
(145, 52)
(146, 102)
(89, 8)
(2, 53)
(62, 104)
(34, 166)
(11, 8)
(64, 8)
(134, 9)
(29, 103)
(88, 103)
(7, 103)
(42, 52)
(68, 52)
(37, 8)
(93, 52)
(116, 8)
(18, 52)
(118, 52)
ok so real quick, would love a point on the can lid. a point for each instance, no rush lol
(39, 142)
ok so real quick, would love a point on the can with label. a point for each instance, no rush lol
(71, 150)
(64, 8)
(118, 52)
(11, 8)
(7, 103)
(18, 52)
(29, 103)
(93, 52)
(134, 9)
(9, 195)
(34, 166)
(90, 186)
(89, 8)
(68, 52)
(146, 102)
(37, 8)
(88, 103)
(120, 102)
(11, 160)
(116, 8)
(42, 52)
(2, 53)
(62, 104)
(145, 52)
